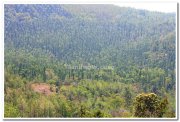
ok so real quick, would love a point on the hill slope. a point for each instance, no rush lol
(43, 43)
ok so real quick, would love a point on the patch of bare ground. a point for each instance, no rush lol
(43, 88)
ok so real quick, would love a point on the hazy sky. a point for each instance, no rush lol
(160, 7)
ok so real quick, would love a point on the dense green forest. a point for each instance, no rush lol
(88, 61)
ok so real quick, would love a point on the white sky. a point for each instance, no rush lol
(160, 7)
(151, 5)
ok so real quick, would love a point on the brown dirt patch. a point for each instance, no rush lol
(41, 88)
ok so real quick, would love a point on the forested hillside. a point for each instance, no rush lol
(88, 61)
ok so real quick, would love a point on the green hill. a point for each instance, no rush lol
(128, 51)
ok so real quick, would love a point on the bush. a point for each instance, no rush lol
(149, 105)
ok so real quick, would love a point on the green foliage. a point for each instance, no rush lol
(13, 81)
(128, 97)
(52, 81)
(129, 51)
(11, 111)
(149, 105)
(84, 112)
(100, 114)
